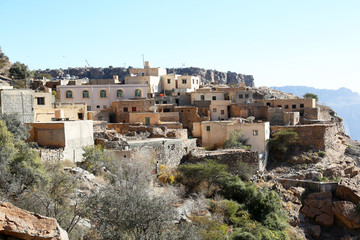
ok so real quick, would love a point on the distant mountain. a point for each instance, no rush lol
(206, 75)
(345, 102)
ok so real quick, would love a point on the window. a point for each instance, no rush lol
(137, 93)
(142, 74)
(119, 93)
(88, 108)
(286, 106)
(97, 106)
(202, 97)
(301, 105)
(40, 101)
(168, 81)
(241, 96)
(69, 94)
(246, 95)
(133, 109)
(214, 98)
(293, 106)
(164, 102)
(279, 106)
(193, 81)
(222, 112)
(103, 94)
(85, 94)
(268, 104)
(207, 128)
(184, 81)
(126, 109)
(197, 81)
(214, 109)
(80, 116)
(255, 132)
(104, 106)
(166, 110)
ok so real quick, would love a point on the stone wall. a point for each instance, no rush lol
(51, 155)
(259, 111)
(189, 115)
(20, 102)
(118, 107)
(319, 136)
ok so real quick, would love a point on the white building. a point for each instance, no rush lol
(98, 97)
(173, 81)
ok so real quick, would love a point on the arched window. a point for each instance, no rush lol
(69, 94)
(137, 93)
(85, 94)
(119, 93)
(103, 94)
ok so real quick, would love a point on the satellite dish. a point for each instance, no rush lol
(250, 119)
(153, 108)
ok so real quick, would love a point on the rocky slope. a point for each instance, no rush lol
(206, 75)
(16, 223)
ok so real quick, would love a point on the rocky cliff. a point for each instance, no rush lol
(206, 75)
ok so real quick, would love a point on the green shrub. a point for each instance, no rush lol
(95, 159)
(321, 154)
(239, 235)
(281, 143)
(236, 140)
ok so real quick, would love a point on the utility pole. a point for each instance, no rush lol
(143, 60)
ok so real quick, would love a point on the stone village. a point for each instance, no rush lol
(170, 117)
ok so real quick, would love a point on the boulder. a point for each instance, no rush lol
(346, 214)
(348, 189)
(325, 220)
(315, 231)
(21, 224)
(298, 191)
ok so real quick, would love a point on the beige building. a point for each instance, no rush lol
(69, 135)
(290, 105)
(43, 100)
(65, 111)
(188, 83)
(219, 110)
(147, 75)
(206, 95)
(216, 132)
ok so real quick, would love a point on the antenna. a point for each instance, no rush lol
(87, 62)
(143, 60)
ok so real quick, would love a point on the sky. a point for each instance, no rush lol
(279, 42)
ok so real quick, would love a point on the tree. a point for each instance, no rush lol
(236, 140)
(311, 95)
(95, 159)
(19, 130)
(18, 70)
(209, 172)
(281, 142)
(7, 152)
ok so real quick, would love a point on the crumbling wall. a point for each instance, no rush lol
(319, 136)
(189, 115)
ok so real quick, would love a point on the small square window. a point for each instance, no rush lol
(124, 156)
(241, 96)
(202, 97)
(97, 106)
(286, 106)
(222, 112)
(255, 132)
(168, 81)
(301, 105)
(214, 109)
(126, 109)
(268, 104)
(133, 109)
(142, 74)
(207, 128)
(293, 106)
(164, 102)
(40, 101)
(279, 106)
(88, 108)
(246, 95)
(184, 81)
(214, 98)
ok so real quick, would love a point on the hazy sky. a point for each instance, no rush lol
(313, 43)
